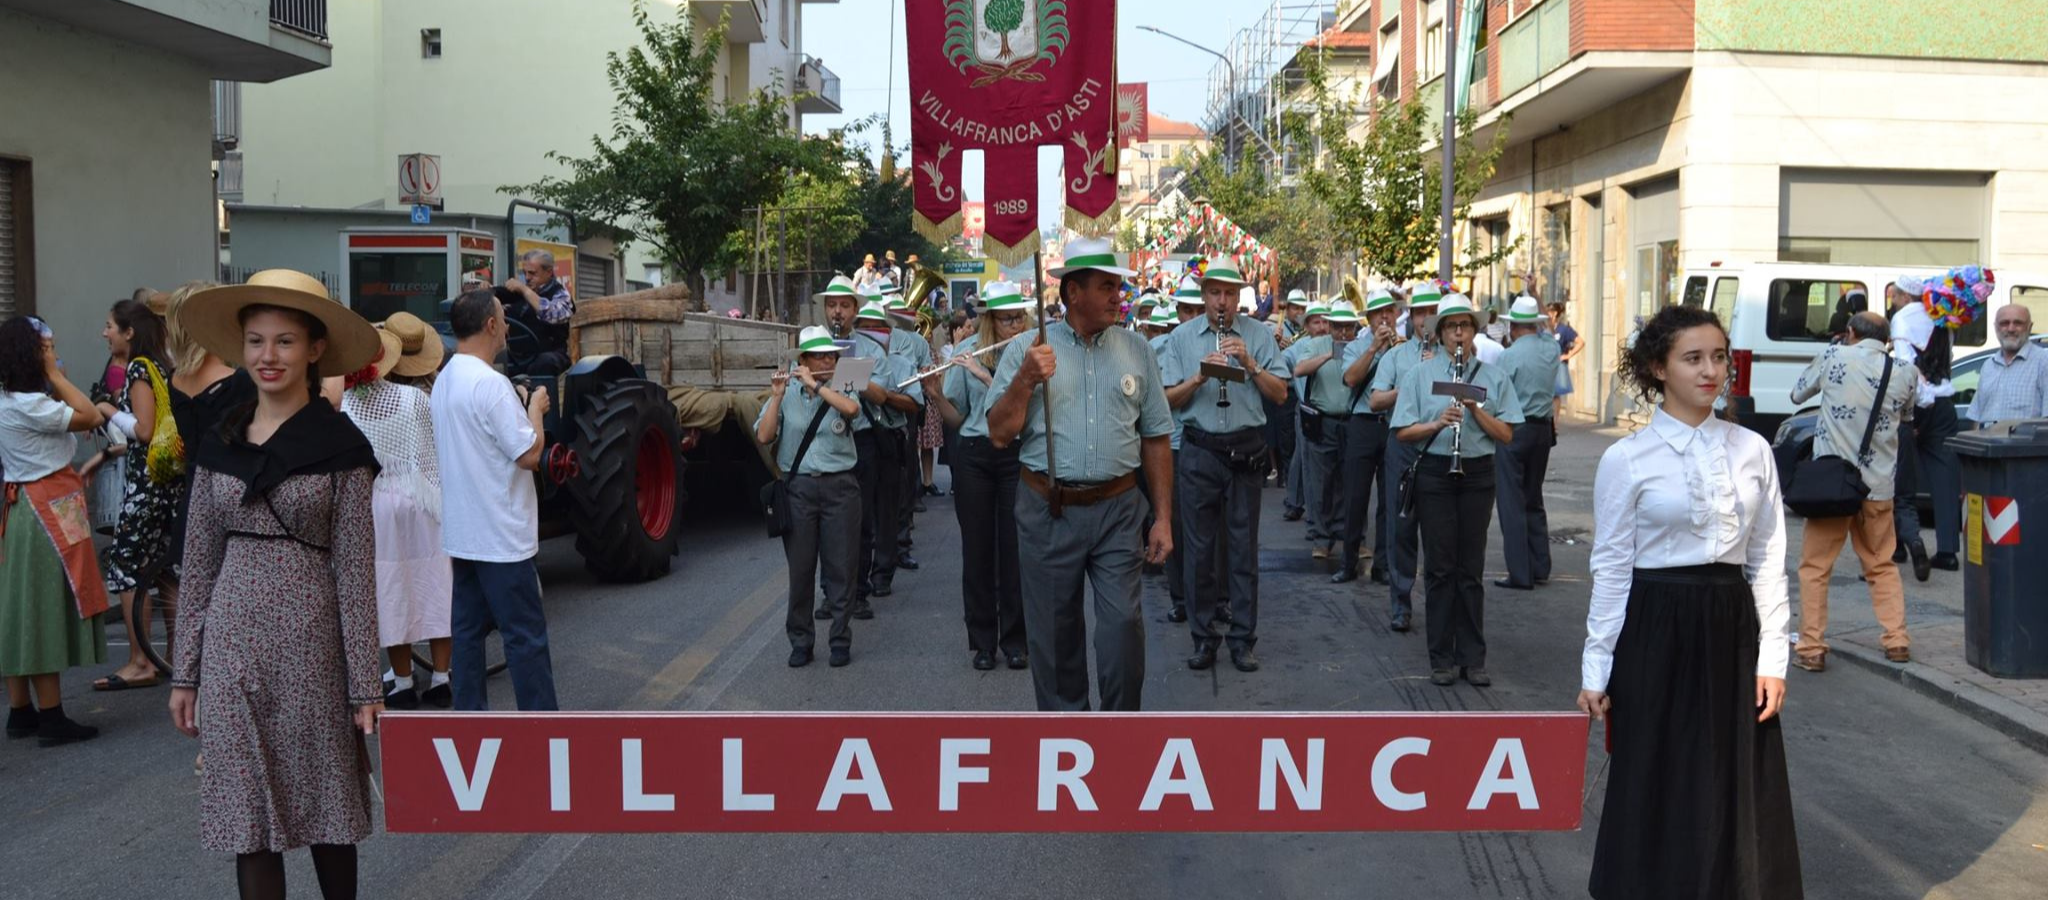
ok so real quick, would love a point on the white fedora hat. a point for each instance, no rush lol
(1091, 253)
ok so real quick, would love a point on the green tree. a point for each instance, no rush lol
(680, 167)
(1003, 17)
(1382, 188)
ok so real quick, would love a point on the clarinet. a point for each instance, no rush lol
(1222, 386)
(1458, 427)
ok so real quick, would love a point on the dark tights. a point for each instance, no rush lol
(260, 876)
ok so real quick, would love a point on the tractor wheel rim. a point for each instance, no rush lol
(655, 484)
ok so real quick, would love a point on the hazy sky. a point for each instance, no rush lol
(853, 39)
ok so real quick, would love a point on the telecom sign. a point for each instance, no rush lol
(419, 180)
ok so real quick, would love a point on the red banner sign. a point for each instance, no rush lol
(961, 772)
(1006, 77)
(1133, 114)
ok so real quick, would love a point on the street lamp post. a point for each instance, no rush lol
(1230, 87)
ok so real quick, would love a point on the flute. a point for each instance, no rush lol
(956, 360)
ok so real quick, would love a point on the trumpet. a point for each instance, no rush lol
(1458, 427)
(957, 358)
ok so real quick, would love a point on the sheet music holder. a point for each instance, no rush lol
(851, 376)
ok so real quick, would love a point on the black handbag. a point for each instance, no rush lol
(1311, 420)
(775, 494)
(1830, 487)
(1243, 450)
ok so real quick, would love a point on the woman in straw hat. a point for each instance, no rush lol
(985, 485)
(415, 582)
(281, 497)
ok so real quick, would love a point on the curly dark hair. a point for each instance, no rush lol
(21, 356)
(1638, 366)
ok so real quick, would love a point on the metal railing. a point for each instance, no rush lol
(813, 78)
(229, 181)
(304, 16)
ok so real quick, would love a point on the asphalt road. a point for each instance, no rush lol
(1895, 795)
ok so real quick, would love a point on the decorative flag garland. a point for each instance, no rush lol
(1218, 236)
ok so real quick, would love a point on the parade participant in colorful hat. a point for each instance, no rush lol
(53, 593)
(1404, 537)
(1223, 460)
(1366, 440)
(281, 495)
(1323, 414)
(881, 436)
(985, 483)
(1086, 410)
(1530, 362)
(810, 425)
(1918, 340)
(1454, 485)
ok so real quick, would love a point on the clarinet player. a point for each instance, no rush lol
(1453, 487)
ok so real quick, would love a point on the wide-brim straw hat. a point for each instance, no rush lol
(420, 350)
(388, 356)
(213, 318)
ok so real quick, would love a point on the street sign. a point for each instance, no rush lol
(422, 214)
(982, 772)
(419, 179)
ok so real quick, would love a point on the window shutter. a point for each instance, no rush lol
(7, 243)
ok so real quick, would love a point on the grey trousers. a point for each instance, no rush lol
(1927, 464)
(1365, 448)
(1211, 496)
(1403, 534)
(1524, 525)
(823, 539)
(911, 486)
(1297, 483)
(1099, 544)
(1322, 468)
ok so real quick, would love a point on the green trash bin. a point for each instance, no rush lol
(2005, 547)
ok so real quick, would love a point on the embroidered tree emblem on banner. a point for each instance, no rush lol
(1002, 39)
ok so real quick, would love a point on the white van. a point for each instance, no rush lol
(1778, 313)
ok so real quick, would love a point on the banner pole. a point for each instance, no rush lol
(1052, 474)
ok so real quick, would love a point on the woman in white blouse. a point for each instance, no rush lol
(1685, 647)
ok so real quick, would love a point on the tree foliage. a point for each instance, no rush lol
(1382, 188)
(680, 166)
(1294, 223)
(1003, 17)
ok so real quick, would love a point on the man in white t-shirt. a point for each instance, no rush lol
(488, 446)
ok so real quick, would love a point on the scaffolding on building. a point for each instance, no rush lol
(1254, 91)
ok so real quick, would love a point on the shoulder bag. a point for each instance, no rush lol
(775, 494)
(1830, 487)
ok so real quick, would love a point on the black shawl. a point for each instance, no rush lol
(316, 440)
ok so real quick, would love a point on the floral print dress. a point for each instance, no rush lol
(142, 539)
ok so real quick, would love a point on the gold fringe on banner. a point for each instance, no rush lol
(936, 232)
(1008, 255)
(1092, 226)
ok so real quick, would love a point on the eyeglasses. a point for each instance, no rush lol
(1458, 325)
(1010, 319)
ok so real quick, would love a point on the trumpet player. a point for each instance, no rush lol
(915, 351)
(1383, 389)
(1365, 440)
(1223, 459)
(1454, 486)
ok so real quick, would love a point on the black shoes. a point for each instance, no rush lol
(1945, 562)
(882, 590)
(863, 610)
(984, 661)
(840, 657)
(1378, 576)
(918, 507)
(1504, 583)
(1204, 658)
(402, 698)
(1016, 659)
(54, 728)
(1344, 576)
(1294, 515)
(1443, 677)
(1899, 552)
(1179, 613)
(824, 613)
(439, 696)
(906, 561)
(799, 657)
(1477, 677)
(1922, 566)
(1244, 659)
(1398, 623)
(22, 721)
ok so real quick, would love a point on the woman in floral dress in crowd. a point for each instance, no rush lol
(140, 556)
(276, 667)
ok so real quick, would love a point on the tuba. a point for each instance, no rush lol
(921, 287)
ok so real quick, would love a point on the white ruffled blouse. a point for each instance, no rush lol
(1673, 495)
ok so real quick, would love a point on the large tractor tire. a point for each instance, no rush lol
(626, 500)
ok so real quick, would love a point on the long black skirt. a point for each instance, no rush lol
(1698, 805)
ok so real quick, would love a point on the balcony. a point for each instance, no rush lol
(1535, 45)
(749, 18)
(817, 88)
(231, 40)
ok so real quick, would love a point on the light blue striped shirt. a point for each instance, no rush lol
(1182, 359)
(1106, 397)
(831, 451)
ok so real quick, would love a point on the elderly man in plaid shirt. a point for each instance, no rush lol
(2014, 382)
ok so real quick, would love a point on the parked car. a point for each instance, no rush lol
(1793, 443)
(1779, 316)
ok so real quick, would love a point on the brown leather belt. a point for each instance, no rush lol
(1082, 495)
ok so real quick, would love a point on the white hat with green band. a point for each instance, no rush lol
(887, 287)
(874, 309)
(1298, 297)
(815, 339)
(841, 286)
(1380, 298)
(1190, 292)
(1426, 294)
(1223, 270)
(1005, 296)
(1091, 253)
(1452, 306)
(1341, 312)
(1524, 310)
(1315, 311)
(1162, 315)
